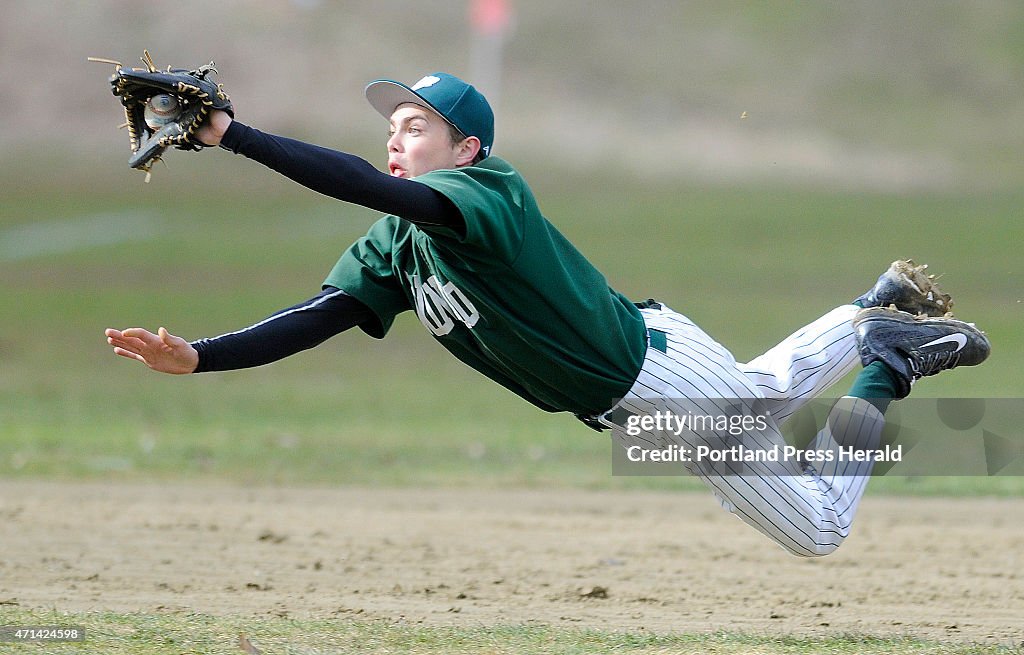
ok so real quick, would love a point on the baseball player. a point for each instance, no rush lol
(463, 243)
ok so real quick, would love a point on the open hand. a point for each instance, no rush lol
(162, 352)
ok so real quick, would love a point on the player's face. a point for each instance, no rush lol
(419, 142)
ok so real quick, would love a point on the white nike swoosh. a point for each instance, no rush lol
(959, 339)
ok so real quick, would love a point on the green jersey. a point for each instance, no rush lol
(510, 297)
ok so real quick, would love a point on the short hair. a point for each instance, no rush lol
(456, 136)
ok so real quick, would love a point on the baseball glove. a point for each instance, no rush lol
(164, 108)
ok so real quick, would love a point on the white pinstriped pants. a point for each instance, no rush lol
(805, 508)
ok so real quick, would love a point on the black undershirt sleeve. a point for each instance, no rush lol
(284, 333)
(345, 177)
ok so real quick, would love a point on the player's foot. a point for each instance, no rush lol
(916, 347)
(907, 286)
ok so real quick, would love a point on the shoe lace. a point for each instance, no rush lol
(932, 363)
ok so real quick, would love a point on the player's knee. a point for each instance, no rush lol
(824, 545)
(818, 551)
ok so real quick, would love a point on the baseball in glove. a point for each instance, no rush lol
(164, 108)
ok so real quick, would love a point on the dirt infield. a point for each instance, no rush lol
(932, 568)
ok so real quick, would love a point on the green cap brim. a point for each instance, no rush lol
(387, 95)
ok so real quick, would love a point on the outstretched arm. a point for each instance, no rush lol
(336, 174)
(282, 334)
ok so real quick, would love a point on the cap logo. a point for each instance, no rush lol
(429, 80)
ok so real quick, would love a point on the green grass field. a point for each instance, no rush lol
(844, 93)
(196, 633)
(749, 265)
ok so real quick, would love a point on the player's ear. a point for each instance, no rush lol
(467, 151)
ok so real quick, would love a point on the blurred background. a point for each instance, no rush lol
(752, 164)
(872, 94)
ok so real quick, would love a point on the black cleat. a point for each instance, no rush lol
(906, 286)
(916, 347)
